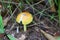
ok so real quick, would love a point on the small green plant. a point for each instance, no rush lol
(2, 30)
(56, 2)
(52, 17)
(50, 2)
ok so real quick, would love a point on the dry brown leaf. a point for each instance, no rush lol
(48, 36)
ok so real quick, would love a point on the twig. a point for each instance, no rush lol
(8, 2)
(34, 4)
(38, 2)
(12, 26)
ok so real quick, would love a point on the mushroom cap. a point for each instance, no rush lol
(25, 17)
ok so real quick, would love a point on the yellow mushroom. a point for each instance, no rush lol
(25, 17)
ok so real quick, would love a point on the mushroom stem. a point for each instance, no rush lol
(25, 28)
(17, 29)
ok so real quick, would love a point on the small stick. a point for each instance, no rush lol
(12, 26)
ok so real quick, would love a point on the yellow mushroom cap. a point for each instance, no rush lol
(25, 17)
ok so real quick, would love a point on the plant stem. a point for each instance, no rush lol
(25, 28)
(59, 11)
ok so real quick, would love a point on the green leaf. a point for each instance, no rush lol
(58, 38)
(11, 37)
(1, 25)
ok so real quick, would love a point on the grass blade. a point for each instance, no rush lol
(1, 25)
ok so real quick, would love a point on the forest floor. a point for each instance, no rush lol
(45, 18)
